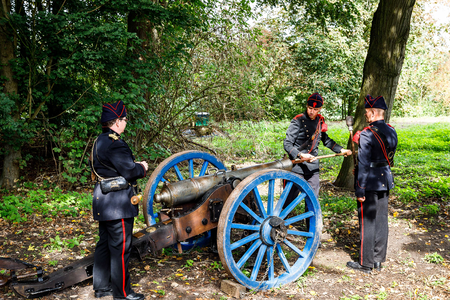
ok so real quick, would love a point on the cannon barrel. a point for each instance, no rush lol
(188, 190)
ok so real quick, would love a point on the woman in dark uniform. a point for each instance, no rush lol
(111, 157)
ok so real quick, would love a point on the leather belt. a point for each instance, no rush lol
(378, 164)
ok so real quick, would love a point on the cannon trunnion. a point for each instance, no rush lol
(261, 239)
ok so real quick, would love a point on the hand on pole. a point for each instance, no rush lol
(307, 157)
(346, 152)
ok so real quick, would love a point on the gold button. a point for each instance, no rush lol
(381, 174)
(307, 135)
(97, 198)
(306, 130)
(98, 214)
(382, 184)
(305, 125)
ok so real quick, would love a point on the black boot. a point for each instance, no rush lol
(377, 266)
(356, 266)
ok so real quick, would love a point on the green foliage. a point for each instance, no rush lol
(341, 205)
(434, 258)
(216, 265)
(430, 209)
(57, 244)
(189, 264)
(10, 209)
(425, 72)
(200, 56)
(327, 59)
(53, 262)
(17, 208)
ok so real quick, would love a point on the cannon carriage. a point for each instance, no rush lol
(191, 199)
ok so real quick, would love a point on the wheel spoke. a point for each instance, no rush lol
(163, 179)
(283, 258)
(259, 202)
(251, 213)
(258, 262)
(283, 197)
(295, 219)
(180, 177)
(293, 247)
(300, 233)
(191, 168)
(270, 257)
(244, 241)
(271, 197)
(293, 204)
(204, 168)
(249, 253)
(245, 226)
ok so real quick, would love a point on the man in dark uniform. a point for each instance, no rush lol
(111, 158)
(302, 141)
(373, 180)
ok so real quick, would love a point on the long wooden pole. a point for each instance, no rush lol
(298, 161)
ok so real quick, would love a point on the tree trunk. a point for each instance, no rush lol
(10, 174)
(383, 65)
(12, 156)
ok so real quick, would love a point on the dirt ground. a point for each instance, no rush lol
(198, 274)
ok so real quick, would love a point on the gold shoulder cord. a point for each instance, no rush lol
(113, 136)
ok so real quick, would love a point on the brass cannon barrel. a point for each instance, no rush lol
(188, 190)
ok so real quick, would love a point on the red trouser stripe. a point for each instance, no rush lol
(123, 259)
(362, 234)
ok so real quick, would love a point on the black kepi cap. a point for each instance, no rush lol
(111, 111)
(315, 100)
(377, 102)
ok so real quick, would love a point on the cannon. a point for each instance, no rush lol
(191, 199)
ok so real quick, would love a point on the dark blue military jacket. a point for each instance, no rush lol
(374, 172)
(113, 152)
(301, 129)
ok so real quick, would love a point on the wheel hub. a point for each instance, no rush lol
(273, 230)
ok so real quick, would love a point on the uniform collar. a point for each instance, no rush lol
(110, 131)
(376, 122)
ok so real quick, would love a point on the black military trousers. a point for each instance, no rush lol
(112, 255)
(314, 181)
(373, 227)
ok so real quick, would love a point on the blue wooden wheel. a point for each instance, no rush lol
(180, 166)
(262, 247)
